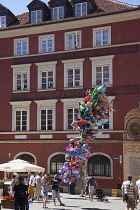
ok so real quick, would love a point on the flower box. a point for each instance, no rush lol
(7, 202)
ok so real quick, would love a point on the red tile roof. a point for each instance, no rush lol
(104, 7)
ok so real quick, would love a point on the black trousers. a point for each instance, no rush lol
(21, 205)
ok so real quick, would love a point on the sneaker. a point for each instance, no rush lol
(62, 204)
(54, 204)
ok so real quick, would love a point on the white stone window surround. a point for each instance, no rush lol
(70, 33)
(21, 40)
(20, 106)
(23, 68)
(46, 37)
(102, 61)
(69, 103)
(101, 29)
(46, 105)
(73, 64)
(46, 66)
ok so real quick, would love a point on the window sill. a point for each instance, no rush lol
(70, 88)
(49, 89)
(21, 91)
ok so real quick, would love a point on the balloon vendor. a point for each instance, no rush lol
(92, 113)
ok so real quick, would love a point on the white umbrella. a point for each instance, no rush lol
(20, 166)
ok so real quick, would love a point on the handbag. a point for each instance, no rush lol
(125, 197)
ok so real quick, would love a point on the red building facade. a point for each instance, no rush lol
(49, 57)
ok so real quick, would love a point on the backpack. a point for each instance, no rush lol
(21, 195)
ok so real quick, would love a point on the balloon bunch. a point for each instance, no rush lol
(92, 112)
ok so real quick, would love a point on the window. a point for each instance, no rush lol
(2, 21)
(21, 46)
(72, 116)
(81, 9)
(46, 43)
(99, 165)
(70, 111)
(47, 119)
(73, 40)
(102, 68)
(56, 163)
(20, 115)
(36, 16)
(21, 77)
(101, 36)
(46, 115)
(58, 13)
(73, 73)
(46, 75)
(27, 157)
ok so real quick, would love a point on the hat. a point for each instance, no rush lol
(129, 176)
(21, 178)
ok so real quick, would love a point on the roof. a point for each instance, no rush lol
(104, 7)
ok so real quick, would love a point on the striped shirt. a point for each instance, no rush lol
(129, 188)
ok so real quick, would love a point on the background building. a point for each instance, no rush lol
(49, 57)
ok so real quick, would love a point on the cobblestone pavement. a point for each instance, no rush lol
(75, 202)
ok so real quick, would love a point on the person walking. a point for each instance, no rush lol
(86, 186)
(129, 193)
(31, 187)
(38, 186)
(45, 182)
(13, 183)
(91, 186)
(20, 197)
(55, 189)
(138, 188)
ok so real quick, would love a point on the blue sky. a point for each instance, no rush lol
(18, 7)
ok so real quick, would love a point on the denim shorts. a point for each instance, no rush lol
(55, 194)
(91, 189)
(44, 193)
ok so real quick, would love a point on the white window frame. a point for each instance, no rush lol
(15, 46)
(69, 103)
(22, 69)
(36, 16)
(2, 25)
(102, 29)
(20, 106)
(102, 61)
(51, 36)
(58, 16)
(45, 67)
(74, 45)
(81, 5)
(46, 105)
(73, 64)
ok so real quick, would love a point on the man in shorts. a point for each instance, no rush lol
(31, 187)
(129, 189)
(55, 189)
(45, 182)
(91, 185)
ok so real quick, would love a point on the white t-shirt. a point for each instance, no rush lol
(32, 181)
(138, 185)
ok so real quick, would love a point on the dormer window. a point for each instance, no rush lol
(36, 16)
(2, 21)
(58, 13)
(81, 9)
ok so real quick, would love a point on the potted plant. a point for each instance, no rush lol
(1, 187)
(7, 202)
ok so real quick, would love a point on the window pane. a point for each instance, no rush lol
(43, 119)
(77, 77)
(70, 78)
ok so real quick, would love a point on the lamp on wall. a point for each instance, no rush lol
(120, 158)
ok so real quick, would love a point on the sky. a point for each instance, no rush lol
(18, 7)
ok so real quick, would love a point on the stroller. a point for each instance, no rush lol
(100, 195)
